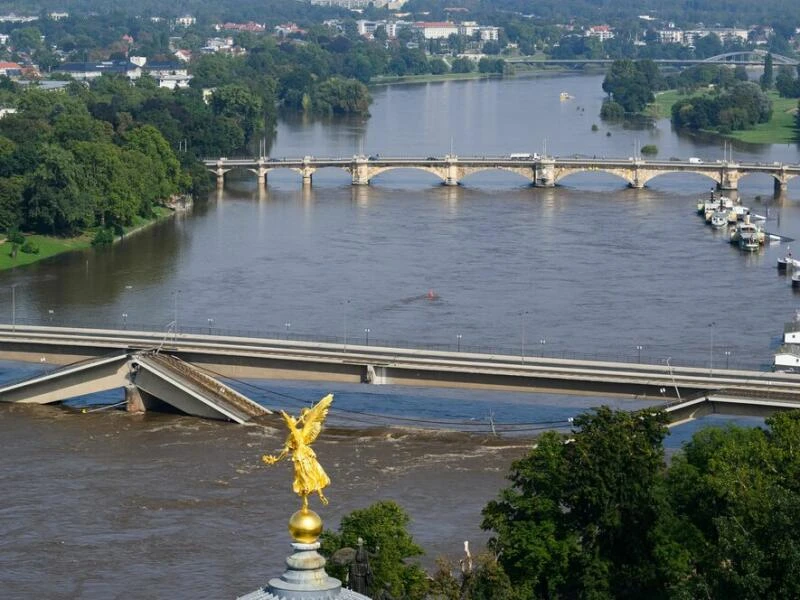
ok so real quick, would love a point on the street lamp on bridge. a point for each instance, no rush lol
(458, 342)
(366, 335)
(639, 349)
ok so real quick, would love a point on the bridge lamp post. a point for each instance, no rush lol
(175, 309)
(210, 325)
(458, 342)
(124, 320)
(639, 349)
(13, 307)
(50, 313)
(542, 342)
(711, 349)
(345, 309)
(524, 318)
(366, 335)
(287, 325)
(727, 358)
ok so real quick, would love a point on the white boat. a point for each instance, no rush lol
(796, 280)
(719, 219)
(748, 236)
(737, 213)
(787, 358)
(715, 204)
(788, 262)
(749, 242)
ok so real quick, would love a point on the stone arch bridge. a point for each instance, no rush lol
(539, 171)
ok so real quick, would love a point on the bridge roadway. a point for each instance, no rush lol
(687, 392)
(539, 171)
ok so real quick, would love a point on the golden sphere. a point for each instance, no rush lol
(305, 526)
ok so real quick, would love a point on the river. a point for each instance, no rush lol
(102, 504)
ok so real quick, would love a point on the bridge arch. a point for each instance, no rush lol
(646, 177)
(374, 171)
(747, 56)
(526, 173)
(562, 173)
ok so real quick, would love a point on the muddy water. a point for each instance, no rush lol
(108, 505)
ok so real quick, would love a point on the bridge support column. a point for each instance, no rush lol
(781, 184)
(545, 173)
(452, 172)
(261, 173)
(220, 178)
(360, 171)
(729, 180)
(307, 173)
(133, 400)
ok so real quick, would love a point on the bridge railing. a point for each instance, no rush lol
(533, 349)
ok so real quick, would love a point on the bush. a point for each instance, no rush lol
(595, 127)
(103, 237)
(611, 110)
(30, 247)
(649, 150)
(15, 237)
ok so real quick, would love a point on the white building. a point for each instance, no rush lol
(601, 32)
(185, 21)
(489, 33)
(367, 28)
(436, 30)
(670, 36)
(57, 16)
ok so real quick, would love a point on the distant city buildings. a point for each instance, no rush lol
(249, 26)
(600, 32)
(185, 21)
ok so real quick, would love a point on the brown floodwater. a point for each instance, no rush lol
(111, 505)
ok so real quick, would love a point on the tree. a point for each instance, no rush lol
(631, 84)
(383, 527)
(240, 104)
(766, 78)
(736, 493)
(462, 65)
(582, 515)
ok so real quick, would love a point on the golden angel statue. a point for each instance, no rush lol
(309, 476)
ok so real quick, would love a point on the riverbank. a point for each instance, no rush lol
(53, 245)
(520, 70)
(780, 129)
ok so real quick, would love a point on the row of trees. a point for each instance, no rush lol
(99, 157)
(739, 107)
(599, 513)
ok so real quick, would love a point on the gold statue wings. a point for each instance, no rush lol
(313, 417)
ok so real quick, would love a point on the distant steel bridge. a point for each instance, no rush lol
(742, 57)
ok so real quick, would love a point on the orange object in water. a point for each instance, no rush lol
(432, 295)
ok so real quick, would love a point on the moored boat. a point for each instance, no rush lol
(719, 219)
(788, 262)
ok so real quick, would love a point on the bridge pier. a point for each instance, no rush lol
(220, 173)
(452, 171)
(360, 172)
(545, 173)
(729, 180)
(780, 187)
(133, 400)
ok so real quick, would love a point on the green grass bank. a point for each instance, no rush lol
(51, 245)
(780, 129)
